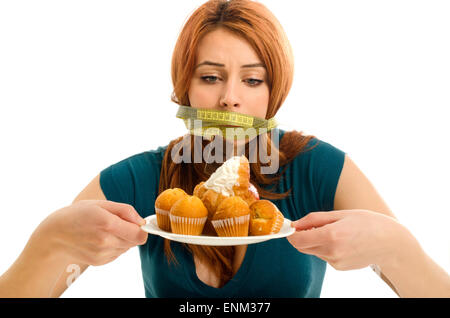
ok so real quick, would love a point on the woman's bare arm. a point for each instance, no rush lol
(414, 273)
(40, 270)
(92, 191)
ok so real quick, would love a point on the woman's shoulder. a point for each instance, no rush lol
(123, 180)
(155, 154)
(144, 163)
(146, 159)
(318, 165)
(309, 147)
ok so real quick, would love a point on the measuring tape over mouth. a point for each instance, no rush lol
(209, 123)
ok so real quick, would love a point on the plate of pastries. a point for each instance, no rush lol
(223, 210)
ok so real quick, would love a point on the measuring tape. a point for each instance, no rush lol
(208, 123)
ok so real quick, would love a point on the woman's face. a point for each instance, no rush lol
(229, 76)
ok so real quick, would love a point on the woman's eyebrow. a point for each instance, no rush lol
(223, 65)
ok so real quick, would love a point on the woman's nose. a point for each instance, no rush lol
(229, 98)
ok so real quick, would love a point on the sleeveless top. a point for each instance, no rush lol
(272, 268)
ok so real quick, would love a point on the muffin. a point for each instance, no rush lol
(164, 203)
(232, 217)
(265, 218)
(188, 216)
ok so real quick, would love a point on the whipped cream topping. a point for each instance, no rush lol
(225, 177)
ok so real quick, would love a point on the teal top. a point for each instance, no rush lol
(273, 268)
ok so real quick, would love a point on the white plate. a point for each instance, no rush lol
(151, 227)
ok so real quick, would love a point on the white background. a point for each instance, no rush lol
(84, 84)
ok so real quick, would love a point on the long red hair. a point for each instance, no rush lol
(255, 23)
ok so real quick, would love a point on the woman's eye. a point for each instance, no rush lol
(254, 82)
(212, 79)
(209, 79)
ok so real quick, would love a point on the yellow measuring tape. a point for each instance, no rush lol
(208, 123)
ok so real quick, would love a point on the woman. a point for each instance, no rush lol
(232, 56)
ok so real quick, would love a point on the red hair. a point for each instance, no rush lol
(253, 22)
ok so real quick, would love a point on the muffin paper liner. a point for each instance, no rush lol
(186, 225)
(237, 226)
(277, 225)
(162, 217)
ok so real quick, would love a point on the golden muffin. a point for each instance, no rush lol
(188, 216)
(164, 203)
(265, 218)
(232, 217)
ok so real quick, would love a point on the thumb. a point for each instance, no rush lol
(316, 219)
(122, 210)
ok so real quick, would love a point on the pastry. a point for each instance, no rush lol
(231, 178)
(164, 203)
(265, 218)
(188, 216)
(232, 217)
(211, 200)
(199, 189)
(251, 195)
